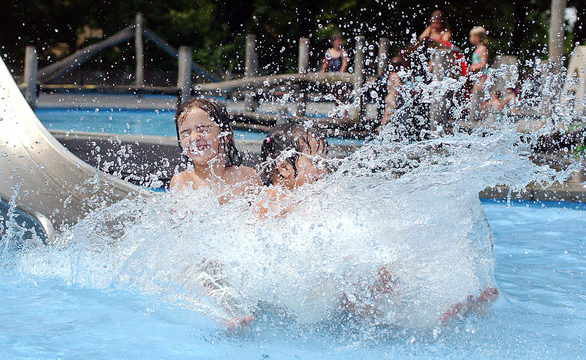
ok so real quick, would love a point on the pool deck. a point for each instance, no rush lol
(168, 102)
(146, 156)
(573, 190)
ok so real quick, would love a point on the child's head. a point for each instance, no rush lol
(204, 132)
(438, 21)
(337, 40)
(478, 36)
(292, 155)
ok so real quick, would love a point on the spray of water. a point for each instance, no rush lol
(396, 229)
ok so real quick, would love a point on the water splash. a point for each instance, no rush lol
(410, 208)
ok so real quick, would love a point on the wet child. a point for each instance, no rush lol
(206, 138)
(292, 156)
(499, 101)
(478, 70)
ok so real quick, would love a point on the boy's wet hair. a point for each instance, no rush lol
(286, 137)
(219, 115)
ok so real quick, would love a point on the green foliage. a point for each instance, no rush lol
(216, 29)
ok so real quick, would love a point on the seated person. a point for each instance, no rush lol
(438, 31)
(335, 58)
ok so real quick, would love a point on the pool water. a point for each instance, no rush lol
(540, 314)
(134, 122)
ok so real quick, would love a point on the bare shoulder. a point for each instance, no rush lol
(184, 178)
(178, 180)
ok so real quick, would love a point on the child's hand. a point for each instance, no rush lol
(239, 322)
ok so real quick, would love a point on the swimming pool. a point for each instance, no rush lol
(540, 314)
(134, 122)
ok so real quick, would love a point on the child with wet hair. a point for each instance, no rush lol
(292, 156)
(206, 138)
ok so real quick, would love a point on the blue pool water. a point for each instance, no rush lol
(540, 314)
(134, 122)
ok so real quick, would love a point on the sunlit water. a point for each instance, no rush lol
(134, 122)
(539, 253)
(160, 276)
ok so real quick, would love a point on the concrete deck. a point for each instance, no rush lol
(146, 158)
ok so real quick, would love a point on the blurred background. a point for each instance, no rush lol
(216, 30)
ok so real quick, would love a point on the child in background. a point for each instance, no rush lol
(478, 70)
(438, 30)
(336, 58)
(498, 101)
(206, 138)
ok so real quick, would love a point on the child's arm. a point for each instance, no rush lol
(344, 61)
(506, 100)
(324, 63)
(272, 205)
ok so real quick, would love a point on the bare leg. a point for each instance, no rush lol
(239, 323)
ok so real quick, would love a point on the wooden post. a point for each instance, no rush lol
(383, 57)
(359, 74)
(556, 34)
(303, 55)
(303, 66)
(139, 50)
(184, 73)
(30, 75)
(552, 81)
(250, 69)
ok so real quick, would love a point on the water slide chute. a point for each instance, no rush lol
(39, 176)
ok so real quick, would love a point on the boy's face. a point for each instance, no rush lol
(199, 136)
(310, 164)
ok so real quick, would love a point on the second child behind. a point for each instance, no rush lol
(292, 157)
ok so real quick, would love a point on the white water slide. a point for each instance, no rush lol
(39, 175)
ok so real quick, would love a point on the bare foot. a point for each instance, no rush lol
(239, 322)
(486, 297)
